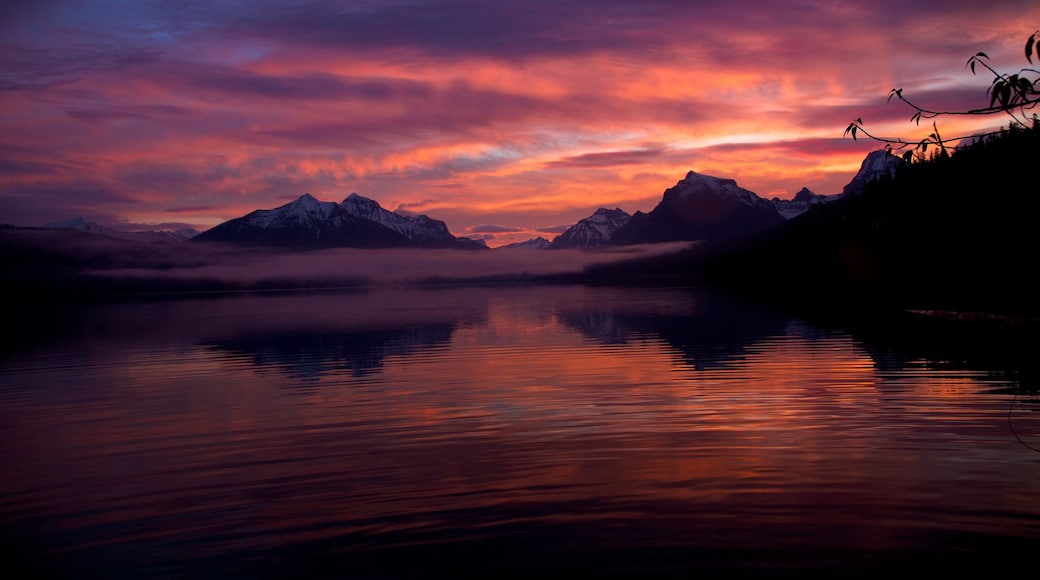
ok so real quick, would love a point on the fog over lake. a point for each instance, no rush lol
(379, 266)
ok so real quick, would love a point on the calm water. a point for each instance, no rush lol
(494, 431)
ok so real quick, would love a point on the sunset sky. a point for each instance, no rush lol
(506, 119)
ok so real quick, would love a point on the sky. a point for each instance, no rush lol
(507, 120)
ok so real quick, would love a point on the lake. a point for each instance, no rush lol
(487, 431)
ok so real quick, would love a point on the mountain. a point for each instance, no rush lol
(420, 229)
(880, 163)
(83, 225)
(800, 203)
(304, 223)
(80, 224)
(595, 230)
(701, 207)
(538, 243)
(357, 222)
(876, 164)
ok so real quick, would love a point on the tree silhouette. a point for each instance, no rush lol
(1011, 94)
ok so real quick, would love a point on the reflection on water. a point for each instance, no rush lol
(490, 431)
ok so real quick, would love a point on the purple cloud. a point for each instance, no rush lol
(492, 229)
(509, 112)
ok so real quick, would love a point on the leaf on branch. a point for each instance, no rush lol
(975, 59)
(1024, 87)
(1029, 46)
(895, 93)
(996, 91)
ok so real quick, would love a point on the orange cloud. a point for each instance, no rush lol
(495, 114)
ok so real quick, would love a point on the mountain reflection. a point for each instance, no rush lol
(710, 329)
(309, 355)
(406, 430)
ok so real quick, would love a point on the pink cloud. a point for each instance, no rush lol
(475, 113)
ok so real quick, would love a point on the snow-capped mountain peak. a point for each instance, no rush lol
(362, 206)
(804, 195)
(304, 210)
(595, 230)
(538, 243)
(698, 185)
(418, 228)
(800, 203)
(876, 164)
(356, 222)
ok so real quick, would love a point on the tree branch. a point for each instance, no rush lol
(1012, 94)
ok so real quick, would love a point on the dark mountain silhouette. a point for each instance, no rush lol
(701, 207)
(706, 208)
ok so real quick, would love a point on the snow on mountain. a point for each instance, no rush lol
(302, 211)
(701, 207)
(304, 223)
(595, 230)
(800, 203)
(876, 164)
(421, 229)
(696, 186)
(356, 222)
(178, 235)
(81, 225)
(538, 243)
(84, 225)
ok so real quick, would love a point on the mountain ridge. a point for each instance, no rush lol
(698, 207)
(356, 222)
(709, 208)
(83, 225)
(593, 231)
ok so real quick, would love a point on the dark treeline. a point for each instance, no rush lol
(953, 232)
